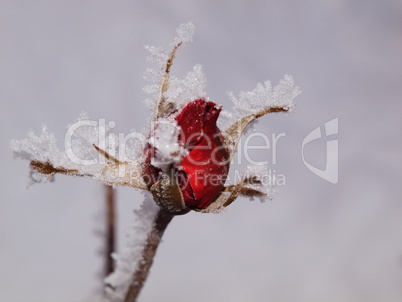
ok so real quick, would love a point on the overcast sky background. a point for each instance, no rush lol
(315, 241)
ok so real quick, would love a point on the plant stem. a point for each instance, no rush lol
(161, 221)
(110, 235)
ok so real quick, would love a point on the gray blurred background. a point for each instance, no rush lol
(315, 241)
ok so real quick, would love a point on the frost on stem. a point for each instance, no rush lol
(127, 262)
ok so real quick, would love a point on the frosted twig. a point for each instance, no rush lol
(162, 219)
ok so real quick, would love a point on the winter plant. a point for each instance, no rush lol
(183, 161)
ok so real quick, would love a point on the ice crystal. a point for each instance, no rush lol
(79, 156)
(165, 140)
(192, 87)
(261, 180)
(181, 91)
(128, 260)
(259, 99)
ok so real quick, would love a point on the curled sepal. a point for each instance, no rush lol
(230, 194)
(167, 193)
(243, 190)
(234, 132)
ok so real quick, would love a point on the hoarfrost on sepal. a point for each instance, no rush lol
(259, 99)
(127, 261)
(192, 87)
(79, 156)
(157, 55)
(34, 147)
(262, 180)
(185, 33)
(179, 91)
(42, 148)
(36, 176)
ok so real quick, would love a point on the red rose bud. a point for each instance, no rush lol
(203, 170)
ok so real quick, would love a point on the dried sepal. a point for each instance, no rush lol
(234, 132)
(167, 193)
(230, 194)
(163, 107)
(115, 173)
(118, 173)
(47, 168)
(242, 189)
(121, 174)
(128, 174)
(106, 155)
(250, 192)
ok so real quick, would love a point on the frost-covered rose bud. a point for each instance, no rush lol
(201, 173)
(186, 159)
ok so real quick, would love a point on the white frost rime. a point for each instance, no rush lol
(192, 87)
(165, 140)
(80, 157)
(262, 175)
(128, 260)
(259, 99)
(181, 91)
(41, 147)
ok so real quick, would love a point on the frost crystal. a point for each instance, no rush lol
(40, 148)
(185, 33)
(128, 260)
(191, 88)
(165, 140)
(89, 150)
(259, 99)
(262, 180)
(181, 91)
